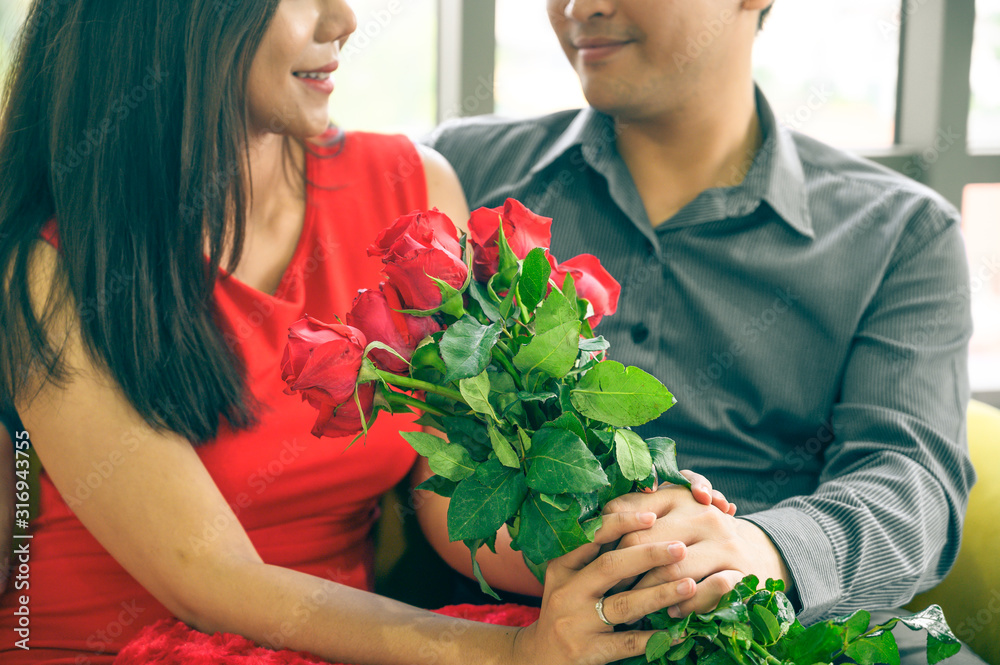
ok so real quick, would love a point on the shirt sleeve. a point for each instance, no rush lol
(885, 521)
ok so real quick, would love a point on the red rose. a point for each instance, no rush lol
(416, 248)
(523, 229)
(593, 283)
(375, 313)
(415, 232)
(344, 420)
(322, 362)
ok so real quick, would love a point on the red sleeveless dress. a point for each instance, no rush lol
(306, 503)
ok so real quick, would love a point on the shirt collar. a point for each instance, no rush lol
(775, 177)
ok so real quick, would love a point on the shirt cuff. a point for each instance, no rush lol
(808, 555)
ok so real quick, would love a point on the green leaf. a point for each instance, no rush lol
(558, 501)
(503, 449)
(535, 397)
(478, 510)
(773, 585)
(594, 344)
(445, 459)
(525, 439)
(503, 396)
(621, 397)
(664, 453)
(765, 625)
(856, 624)
(507, 304)
(592, 526)
(815, 644)
(537, 569)
(877, 649)
(553, 349)
(476, 392)
(658, 645)
(508, 262)
(474, 546)
(439, 485)
(466, 348)
(482, 296)
(632, 455)
(619, 485)
(547, 533)
(470, 434)
(561, 463)
(534, 280)
(427, 356)
(719, 657)
(679, 652)
(941, 642)
(568, 422)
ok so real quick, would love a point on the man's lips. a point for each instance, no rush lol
(594, 50)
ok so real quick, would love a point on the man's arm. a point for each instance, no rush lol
(885, 521)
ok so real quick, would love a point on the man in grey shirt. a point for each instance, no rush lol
(809, 309)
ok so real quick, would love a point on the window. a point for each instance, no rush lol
(981, 222)
(840, 86)
(533, 76)
(388, 76)
(12, 15)
(984, 113)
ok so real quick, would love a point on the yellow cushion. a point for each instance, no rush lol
(970, 595)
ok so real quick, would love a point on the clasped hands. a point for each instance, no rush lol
(716, 549)
(685, 548)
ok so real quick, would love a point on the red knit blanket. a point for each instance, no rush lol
(170, 642)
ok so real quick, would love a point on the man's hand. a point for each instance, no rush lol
(721, 550)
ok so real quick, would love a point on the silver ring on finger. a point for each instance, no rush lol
(600, 611)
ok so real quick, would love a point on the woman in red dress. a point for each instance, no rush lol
(167, 211)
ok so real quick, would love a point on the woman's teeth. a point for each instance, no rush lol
(319, 76)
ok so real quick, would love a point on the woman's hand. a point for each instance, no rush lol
(569, 630)
(701, 490)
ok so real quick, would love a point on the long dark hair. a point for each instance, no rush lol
(127, 123)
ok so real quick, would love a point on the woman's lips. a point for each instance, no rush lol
(324, 86)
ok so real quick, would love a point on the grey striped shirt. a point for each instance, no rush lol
(813, 323)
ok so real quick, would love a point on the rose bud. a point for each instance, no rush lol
(523, 229)
(411, 277)
(414, 249)
(593, 283)
(322, 361)
(344, 420)
(377, 315)
(414, 232)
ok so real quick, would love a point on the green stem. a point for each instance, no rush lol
(414, 384)
(761, 651)
(501, 357)
(406, 400)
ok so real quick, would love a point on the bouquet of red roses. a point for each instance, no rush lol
(492, 340)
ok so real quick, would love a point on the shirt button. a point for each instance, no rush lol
(640, 333)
